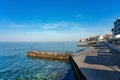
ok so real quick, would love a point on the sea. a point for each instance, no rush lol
(15, 65)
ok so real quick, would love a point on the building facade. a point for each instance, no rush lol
(116, 29)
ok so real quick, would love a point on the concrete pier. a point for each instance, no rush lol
(98, 63)
(87, 44)
(82, 45)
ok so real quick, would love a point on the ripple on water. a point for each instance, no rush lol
(14, 65)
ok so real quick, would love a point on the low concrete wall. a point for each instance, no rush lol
(113, 47)
(48, 55)
(78, 73)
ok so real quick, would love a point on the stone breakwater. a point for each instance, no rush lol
(48, 55)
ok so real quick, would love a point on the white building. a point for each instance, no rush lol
(116, 29)
(101, 37)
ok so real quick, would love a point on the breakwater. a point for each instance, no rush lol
(48, 55)
(87, 44)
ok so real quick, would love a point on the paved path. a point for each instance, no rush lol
(99, 63)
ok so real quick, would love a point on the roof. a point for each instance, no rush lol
(110, 35)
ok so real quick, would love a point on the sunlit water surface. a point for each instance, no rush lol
(15, 65)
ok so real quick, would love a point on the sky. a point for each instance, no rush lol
(56, 20)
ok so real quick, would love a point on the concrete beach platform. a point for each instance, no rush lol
(98, 63)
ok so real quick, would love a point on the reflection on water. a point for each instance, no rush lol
(15, 65)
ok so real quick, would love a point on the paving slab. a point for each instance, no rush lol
(98, 63)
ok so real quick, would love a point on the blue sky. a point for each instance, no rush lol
(56, 20)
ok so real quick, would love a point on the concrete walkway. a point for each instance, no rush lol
(98, 63)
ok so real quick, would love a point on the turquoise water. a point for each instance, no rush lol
(15, 65)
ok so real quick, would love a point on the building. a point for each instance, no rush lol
(83, 40)
(107, 36)
(98, 38)
(116, 29)
(102, 37)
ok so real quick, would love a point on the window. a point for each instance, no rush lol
(119, 24)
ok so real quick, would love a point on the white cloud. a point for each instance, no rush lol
(18, 26)
(10, 24)
(63, 26)
(50, 26)
(40, 36)
(55, 25)
(58, 31)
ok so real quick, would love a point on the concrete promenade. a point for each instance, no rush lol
(98, 63)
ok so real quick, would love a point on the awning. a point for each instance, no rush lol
(117, 36)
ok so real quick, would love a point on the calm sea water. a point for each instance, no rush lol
(15, 65)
